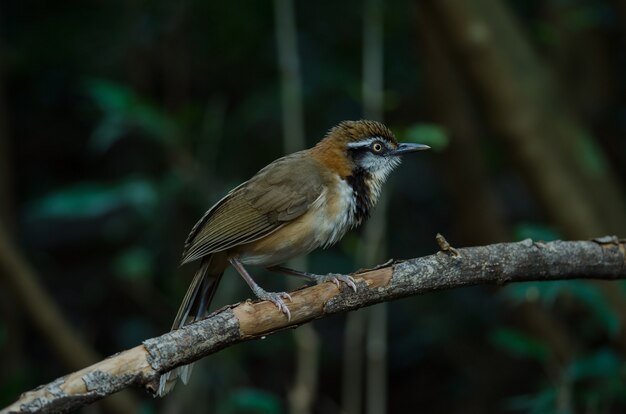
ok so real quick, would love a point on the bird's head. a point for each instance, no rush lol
(364, 146)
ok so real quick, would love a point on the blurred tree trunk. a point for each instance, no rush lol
(176, 79)
(22, 291)
(581, 60)
(303, 393)
(480, 219)
(559, 158)
(290, 77)
(46, 316)
(12, 358)
(374, 245)
(369, 327)
(138, 62)
(6, 191)
(585, 58)
(619, 149)
(620, 8)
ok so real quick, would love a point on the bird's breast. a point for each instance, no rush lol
(339, 212)
(326, 221)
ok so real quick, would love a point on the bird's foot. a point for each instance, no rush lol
(336, 278)
(277, 299)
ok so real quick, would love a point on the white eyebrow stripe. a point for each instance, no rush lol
(365, 143)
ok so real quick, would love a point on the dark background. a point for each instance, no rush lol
(122, 121)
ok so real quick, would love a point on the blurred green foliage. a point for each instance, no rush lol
(124, 110)
(535, 231)
(136, 263)
(250, 401)
(430, 134)
(128, 119)
(590, 153)
(591, 383)
(94, 199)
(520, 344)
(584, 293)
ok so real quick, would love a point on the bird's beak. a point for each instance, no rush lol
(405, 148)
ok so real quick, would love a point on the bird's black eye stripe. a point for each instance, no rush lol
(359, 150)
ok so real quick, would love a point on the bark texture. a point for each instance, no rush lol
(603, 258)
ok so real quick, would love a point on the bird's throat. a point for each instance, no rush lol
(359, 180)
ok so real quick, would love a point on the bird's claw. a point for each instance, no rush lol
(335, 278)
(277, 299)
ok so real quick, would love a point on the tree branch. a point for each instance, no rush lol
(603, 258)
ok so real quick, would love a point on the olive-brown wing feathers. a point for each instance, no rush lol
(277, 194)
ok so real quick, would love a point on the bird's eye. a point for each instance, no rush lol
(377, 147)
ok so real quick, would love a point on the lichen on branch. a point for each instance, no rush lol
(141, 366)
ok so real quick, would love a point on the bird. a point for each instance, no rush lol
(294, 205)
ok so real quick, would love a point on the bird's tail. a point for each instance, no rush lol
(194, 307)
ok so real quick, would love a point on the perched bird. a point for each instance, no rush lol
(299, 202)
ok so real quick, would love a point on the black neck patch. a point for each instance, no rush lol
(360, 188)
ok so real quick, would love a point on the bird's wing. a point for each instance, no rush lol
(277, 194)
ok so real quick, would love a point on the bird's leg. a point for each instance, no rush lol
(331, 277)
(275, 297)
